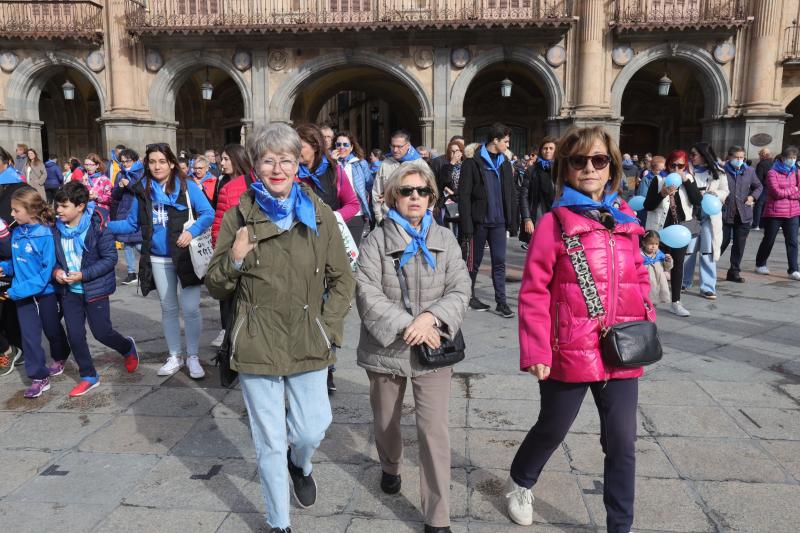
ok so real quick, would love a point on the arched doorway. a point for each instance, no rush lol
(791, 130)
(69, 126)
(525, 110)
(659, 124)
(364, 100)
(204, 124)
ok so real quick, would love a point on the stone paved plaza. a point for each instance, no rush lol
(719, 434)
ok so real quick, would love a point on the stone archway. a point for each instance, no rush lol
(177, 71)
(715, 86)
(283, 101)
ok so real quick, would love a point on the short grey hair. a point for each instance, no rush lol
(408, 168)
(277, 137)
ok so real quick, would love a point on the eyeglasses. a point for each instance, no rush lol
(90, 164)
(157, 147)
(424, 192)
(342, 145)
(679, 166)
(599, 161)
(398, 146)
(199, 169)
(286, 165)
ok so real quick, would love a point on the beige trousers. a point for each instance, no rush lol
(431, 402)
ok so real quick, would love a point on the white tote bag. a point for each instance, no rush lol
(349, 243)
(200, 248)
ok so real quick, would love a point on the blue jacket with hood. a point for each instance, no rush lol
(54, 178)
(33, 259)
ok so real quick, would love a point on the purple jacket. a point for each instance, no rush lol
(783, 195)
(742, 184)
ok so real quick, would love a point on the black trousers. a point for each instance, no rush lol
(736, 233)
(9, 325)
(676, 274)
(77, 313)
(496, 237)
(616, 402)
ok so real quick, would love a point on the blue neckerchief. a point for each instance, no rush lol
(572, 198)
(411, 155)
(91, 178)
(701, 168)
(134, 174)
(660, 256)
(781, 167)
(733, 170)
(627, 163)
(663, 173)
(297, 202)
(159, 196)
(491, 164)
(68, 232)
(545, 164)
(10, 176)
(212, 166)
(349, 157)
(304, 172)
(417, 238)
(375, 166)
(207, 177)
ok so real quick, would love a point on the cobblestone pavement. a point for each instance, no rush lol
(719, 428)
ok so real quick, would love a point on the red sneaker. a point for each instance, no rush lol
(132, 359)
(85, 385)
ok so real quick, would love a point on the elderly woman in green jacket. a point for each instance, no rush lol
(279, 251)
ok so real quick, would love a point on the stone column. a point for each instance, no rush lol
(763, 114)
(441, 98)
(260, 87)
(590, 95)
(426, 125)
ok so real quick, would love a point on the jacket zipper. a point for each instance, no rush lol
(236, 328)
(612, 300)
(555, 329)
(322, 330)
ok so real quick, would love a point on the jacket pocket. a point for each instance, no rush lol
(564, 323)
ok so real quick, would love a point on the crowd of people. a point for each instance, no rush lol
(303, 220)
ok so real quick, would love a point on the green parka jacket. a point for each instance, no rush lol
(281, 324)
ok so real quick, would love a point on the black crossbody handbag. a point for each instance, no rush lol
(449, 352)
(627, 344)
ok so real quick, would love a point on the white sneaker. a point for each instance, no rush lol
(795, 275)
(762, 270)
(678, 309)
(195, 369)
(519, 503)
(173, 364)
(218, 341)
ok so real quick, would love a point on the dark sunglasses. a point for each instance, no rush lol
(408, 191)
(342, 145)
(679, 166)
(599, 161)
(157, 147)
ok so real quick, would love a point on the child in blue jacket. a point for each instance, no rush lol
(32, 260)
(85, 261)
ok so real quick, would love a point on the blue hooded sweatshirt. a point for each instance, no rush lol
(10, 176)
(33, 258)
(54, 176)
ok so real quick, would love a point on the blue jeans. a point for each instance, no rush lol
(307, 418)
(703, 244)
(166, 279)
(130, 256)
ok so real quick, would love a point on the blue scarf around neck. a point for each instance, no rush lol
(92, 177)
(74, 233)
(580, 202)
(296, 203)
(494, 167)
(660, 256)
(134, 174)
(417, 238)
(545, 164)
(160, 197)
(781, 167)
(305, 173)
(411, 155)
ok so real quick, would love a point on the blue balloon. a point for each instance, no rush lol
(673, 180)
(711, 204)
(636, 203)
(675, 236)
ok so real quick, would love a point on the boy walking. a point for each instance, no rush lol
(85, 260)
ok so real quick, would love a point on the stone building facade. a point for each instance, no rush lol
(434, 67)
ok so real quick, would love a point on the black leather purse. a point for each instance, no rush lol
(627, 344)
(449, 352)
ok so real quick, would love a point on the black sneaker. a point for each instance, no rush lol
(478, 305)
(279, 530)
(304, 488)
(130, 279)
(331, 384)
(390, 484)
(504, 310)
(437, 529)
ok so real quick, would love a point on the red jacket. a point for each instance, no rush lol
(783, 196)
(228, 197)
(554, 324)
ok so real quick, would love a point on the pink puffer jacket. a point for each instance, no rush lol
(554, 324)
(783, 197)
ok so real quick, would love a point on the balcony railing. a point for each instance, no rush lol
(791, 43)
(679, 14)
(51, 19)
(233, 16)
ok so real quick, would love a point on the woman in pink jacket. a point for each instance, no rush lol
(559, 343)
(782, 211)
(97, 182)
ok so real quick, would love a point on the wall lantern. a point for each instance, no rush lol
(663, 85)
(69, 90)
(505, 88)
(206, 89)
